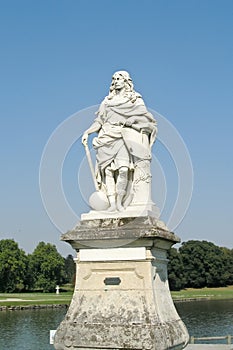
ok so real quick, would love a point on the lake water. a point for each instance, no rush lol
(29, 329)
(207, 318)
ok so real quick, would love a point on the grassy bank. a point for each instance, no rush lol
(23, 299)
(204, 293)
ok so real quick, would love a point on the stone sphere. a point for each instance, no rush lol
(98, 201)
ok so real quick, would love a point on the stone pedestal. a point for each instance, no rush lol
(121, 298)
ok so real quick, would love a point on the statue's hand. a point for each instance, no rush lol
(84, 139)
(130, 121)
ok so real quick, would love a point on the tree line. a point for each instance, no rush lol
(196, 264)
(42, 270)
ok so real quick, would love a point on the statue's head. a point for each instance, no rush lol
(122, 73)
(121, 79)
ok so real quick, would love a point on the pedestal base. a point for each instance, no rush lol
(132, 211)
(121, 298)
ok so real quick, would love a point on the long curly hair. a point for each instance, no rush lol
(129, 88)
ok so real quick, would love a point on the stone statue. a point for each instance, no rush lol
(126, 133)
(121, 297)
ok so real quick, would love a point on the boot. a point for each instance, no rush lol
(112, 202)
(119, 202)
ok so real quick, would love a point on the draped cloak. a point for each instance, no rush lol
(117, 145)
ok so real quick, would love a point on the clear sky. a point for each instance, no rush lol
(57, 58)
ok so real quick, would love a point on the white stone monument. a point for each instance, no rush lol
(121, 298)
(126, 133)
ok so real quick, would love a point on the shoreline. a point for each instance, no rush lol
(37, 301)
(66, 305)
(33, 307)
(180, 300)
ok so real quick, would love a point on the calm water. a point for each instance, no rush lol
(207, 318)
(29, 330)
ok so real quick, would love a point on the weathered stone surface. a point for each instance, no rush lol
(135, 310)
(142, 231)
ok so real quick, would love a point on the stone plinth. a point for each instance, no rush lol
(121, 298)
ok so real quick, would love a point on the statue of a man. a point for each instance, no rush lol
(126, 132)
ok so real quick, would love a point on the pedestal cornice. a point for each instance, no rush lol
(142, 231)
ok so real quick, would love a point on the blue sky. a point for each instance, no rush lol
(57, 58)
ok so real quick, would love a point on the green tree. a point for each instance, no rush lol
(203, 264)
(47, 267)
(228, 263)
(13, 266)
(175, 270)
(69, 269)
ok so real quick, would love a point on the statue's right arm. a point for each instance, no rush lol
(95, 127)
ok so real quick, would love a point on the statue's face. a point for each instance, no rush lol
(118, 81)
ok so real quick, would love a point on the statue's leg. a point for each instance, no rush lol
(121, 185)
(111, 188)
